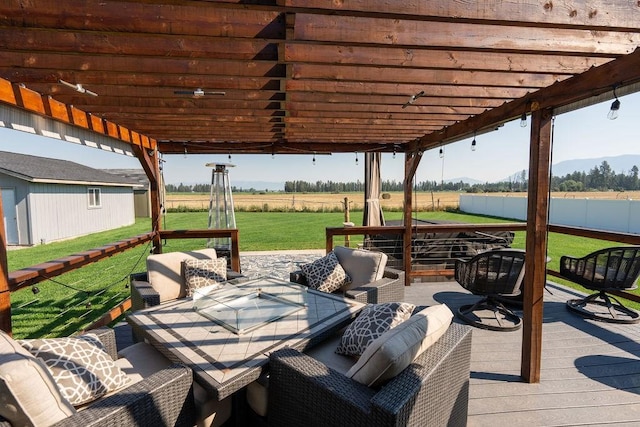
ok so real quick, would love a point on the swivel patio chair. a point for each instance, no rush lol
(493, 274)
(606, 270)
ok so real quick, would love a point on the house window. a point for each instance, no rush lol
(94, 198)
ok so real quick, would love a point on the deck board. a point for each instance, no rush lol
(590, 370)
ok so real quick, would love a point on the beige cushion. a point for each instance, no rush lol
(361, 265)
(203, 273)
(396, 349)
(142, 360)
(373, 321)
(81, 368)
(325, 274)
(28, 394)
(165, 272)
(325, 353)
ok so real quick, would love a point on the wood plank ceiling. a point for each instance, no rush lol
(304, 76)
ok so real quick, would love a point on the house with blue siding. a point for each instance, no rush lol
(45, 200)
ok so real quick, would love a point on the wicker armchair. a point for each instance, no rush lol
(168, 283)
(493, 274)
(164, 398)
(360, 264)
(433, 390)
(606, 270)
(388, 289)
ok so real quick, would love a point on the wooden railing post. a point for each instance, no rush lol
(536, 244)
(5, 294)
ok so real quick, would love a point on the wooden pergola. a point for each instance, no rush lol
(314, 77)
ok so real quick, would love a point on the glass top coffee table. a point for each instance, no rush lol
(228, 352)
(242, 309)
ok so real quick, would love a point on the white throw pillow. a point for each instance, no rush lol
(397, 348)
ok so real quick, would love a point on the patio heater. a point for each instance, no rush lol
(221, 212)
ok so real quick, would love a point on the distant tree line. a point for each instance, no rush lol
(600, 178)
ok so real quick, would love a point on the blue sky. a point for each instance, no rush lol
(582, 134)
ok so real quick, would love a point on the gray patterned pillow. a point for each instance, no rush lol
(199, 273)
(375, 320)
(325, 274)
(81, 368)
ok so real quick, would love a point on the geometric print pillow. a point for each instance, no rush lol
(199, 273)
(81, 368)
(325, 274)
(375, 320)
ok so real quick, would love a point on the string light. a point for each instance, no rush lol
(229, 156)
(523, 120)
(356, 157)
(473, 143)
(615, 106)
(314, 158)
(394, 152)
(185, 150)
(441, 153)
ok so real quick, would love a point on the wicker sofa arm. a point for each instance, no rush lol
(434, 390)
(388, 289)
(303, 391)
(164, 398)
(437, 383)
(143, 295)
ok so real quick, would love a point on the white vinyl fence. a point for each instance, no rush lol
(610, 215)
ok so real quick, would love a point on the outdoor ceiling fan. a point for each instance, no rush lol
(198, 92)
(78, 87)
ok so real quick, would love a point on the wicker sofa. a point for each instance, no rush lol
(433, 390)
(162, 398)
(372, 283)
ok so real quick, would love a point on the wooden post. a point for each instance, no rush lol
(347, 221)
(536, 244)
(5, 293)
(411, 162)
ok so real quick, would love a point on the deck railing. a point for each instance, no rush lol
(440, 263)
(19, 279)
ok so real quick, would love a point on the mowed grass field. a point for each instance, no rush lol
(334, 201)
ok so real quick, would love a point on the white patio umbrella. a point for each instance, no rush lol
(373, 215)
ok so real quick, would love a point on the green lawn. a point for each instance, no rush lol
(74, 300)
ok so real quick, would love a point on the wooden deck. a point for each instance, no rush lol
(590, 370)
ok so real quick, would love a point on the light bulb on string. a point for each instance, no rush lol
(523, 120)
(394, 152)
(314, 158)
(356, 157)
(473, 143)
(615, 107)
(229, 157)
(441, 153)
(185, 150)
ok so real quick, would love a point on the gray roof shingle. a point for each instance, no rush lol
(42, 169)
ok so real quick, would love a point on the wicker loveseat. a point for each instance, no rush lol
(161, 398)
